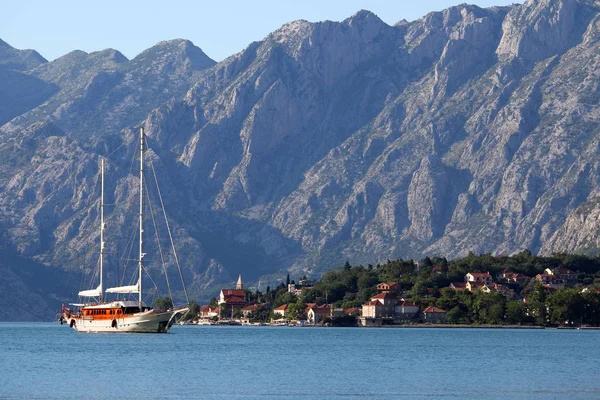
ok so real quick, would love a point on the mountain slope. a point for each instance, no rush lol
(20, 91)
(468, 130)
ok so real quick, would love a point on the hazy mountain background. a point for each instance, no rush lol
(468, 130)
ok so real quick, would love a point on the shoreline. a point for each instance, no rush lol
(428, 326)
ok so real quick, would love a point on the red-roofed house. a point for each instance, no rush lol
(519, 278)
(357, 312)
(388, 287)
(549, 281)
(249, 309)
(208, 312)
(387, 299)
(234, 298)
(281, 311)
(473, 286)
(405, 311)
(317, 313)
(373, 309)
(564, 274)
(458, 286)
(434, 315)
(505, 291)
(380, 306)
(483, 277)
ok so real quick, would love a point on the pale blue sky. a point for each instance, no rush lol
(220, 28)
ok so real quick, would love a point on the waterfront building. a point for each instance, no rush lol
(434, 315)
(250, 309)
(315, 314)
(234, 298)
(208, 312)
(279, 312)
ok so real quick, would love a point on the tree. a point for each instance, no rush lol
(287, 281)
(565, 307)
(419, 289)
(591, 308)
(426, 263)
(193, 312)
(448, 300)
(536, 304)
(296, 311)
(162, 303)
(456, 316)
(488, 308)
(444, 266)
(213, 302)
(516, 313)
(224, 311)
(260, 314)
(285, 298)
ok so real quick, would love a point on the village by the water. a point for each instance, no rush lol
(429, 293)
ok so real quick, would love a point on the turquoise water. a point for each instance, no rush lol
(49, 361)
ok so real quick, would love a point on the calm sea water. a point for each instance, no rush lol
(49, 361)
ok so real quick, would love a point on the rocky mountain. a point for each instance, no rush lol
(468, 130)
(20, 91)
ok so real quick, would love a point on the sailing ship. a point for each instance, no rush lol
(120, 316)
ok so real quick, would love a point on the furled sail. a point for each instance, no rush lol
(125, 289)
(92, 292)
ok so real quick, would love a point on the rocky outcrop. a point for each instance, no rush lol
(579, 233)
(541, 28)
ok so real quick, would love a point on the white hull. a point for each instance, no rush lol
(145, 322)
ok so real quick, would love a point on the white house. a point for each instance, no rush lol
(281, 311)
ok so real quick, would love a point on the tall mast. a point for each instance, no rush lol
(141, 212)
(102, 245)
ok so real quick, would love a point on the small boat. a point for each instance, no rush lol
(120, 316)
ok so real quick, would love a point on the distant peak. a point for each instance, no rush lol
(111, 54)
(363, 16)
(180, 48)
(175, 42)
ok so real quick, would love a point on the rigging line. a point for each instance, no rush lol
(169, 230)
(162, 258)
(135, 152)
(128, 246)
(151, 280)
(115, 150)
(92, 277)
